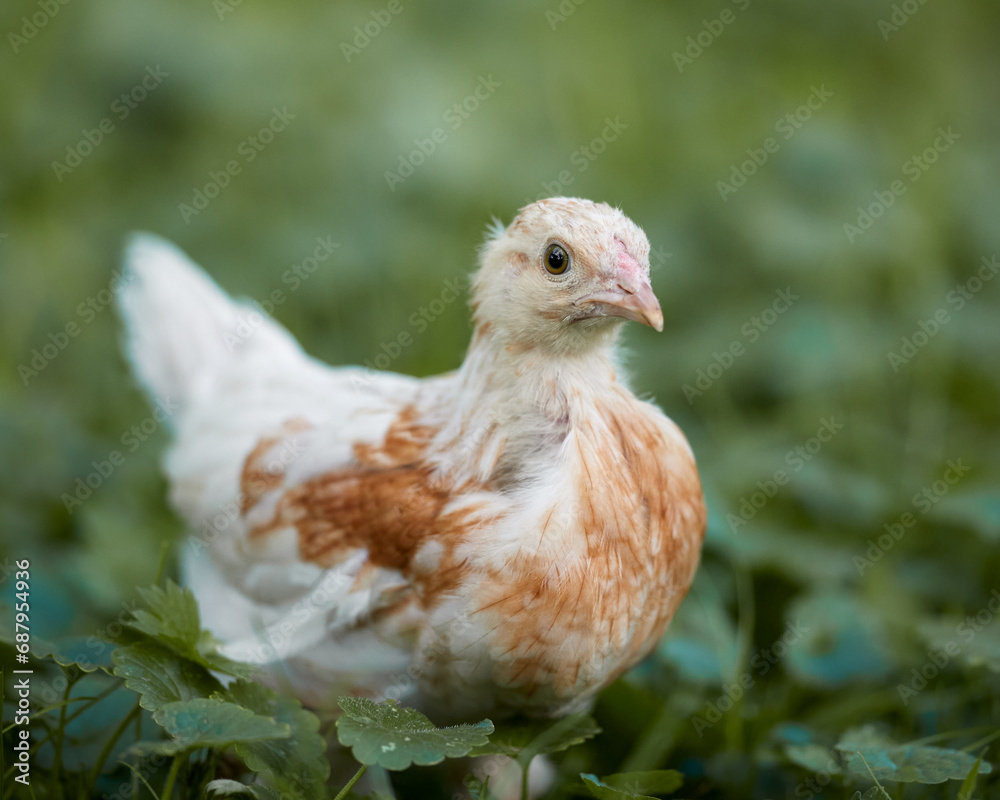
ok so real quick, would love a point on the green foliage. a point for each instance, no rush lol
(205, 722)
(160, 676)
(891, 580)
(524, 740)
(164, 667)
(529, 738)
(298, 758)
(71, 652)
(172, 619)
(868, 752)
(394, 737)
(634, 785)
(969, 784)
(223, 787)
(980, 649)
(813, 757)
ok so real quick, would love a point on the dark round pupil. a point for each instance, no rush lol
(557, 258)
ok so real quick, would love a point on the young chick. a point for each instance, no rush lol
(509, 537)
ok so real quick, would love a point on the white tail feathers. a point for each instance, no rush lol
(180, 327)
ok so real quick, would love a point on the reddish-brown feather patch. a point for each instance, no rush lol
(260, 475)
(404, 443)
(388, 503)
(388, 512)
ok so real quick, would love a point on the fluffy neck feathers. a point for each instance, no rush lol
(512, 407)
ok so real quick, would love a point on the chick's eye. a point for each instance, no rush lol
(556, 259)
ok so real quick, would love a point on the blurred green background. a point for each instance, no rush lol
(646, 105)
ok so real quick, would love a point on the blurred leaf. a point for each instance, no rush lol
(905, 763)
(803, 559)
(119, 544)
(813, 757)
(836, 492)
(975, 509)
(793, 733)
(967, 639)
(74, 652)
(867, 736)
(478, 789)
(206, 722)
(969, 784)
(525, 739)
(842, 640)
(223, 787)
(394, 737)
(562, 735)
(701, 641)
(634, 785)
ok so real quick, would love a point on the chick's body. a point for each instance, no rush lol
(508, 537)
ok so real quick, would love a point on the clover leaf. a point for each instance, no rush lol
(160, 676)
(870, 754)
(209, 722)
(633, 785)
(394, 737)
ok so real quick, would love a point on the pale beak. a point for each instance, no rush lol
(631, 299)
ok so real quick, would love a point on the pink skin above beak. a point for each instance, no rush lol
(633, 297)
